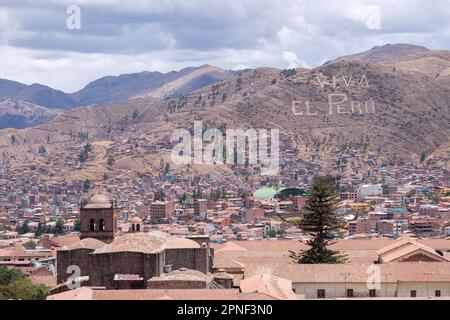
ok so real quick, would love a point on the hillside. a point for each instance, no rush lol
(111, 89)
(21, 114)
(385, 53)
(407, 113)
(36, 93)
(433, 64)
(106, 90)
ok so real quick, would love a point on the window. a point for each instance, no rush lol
(133, 228)
(321, 293)
(349, 293)
(102, 225)
(93, 226)
(372, 293)
(413, 293)
(437, 293)
(138, 227)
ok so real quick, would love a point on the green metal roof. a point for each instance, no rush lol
(265, 193)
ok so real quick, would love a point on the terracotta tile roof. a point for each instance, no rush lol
(184, 274)
(357, 251)
(227, 264)
(406, 247)
(146, 242)
(21, 253)
(65, 240)
(87, 243)
(85, 293)
(323, 273)
(276, 287)
(150, 242)
(49, 281)
(181, 243)
(230, 246)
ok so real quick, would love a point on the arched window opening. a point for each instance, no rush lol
(93, 226)
(102, 225)
(133, 228)
(138, 227)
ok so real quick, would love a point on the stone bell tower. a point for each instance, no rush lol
(98, 218)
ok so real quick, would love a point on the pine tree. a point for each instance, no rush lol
(423, 157)
(321, 222)
(40, 230)
(86, 185)
(167, 168)
(24, 228)
(58, 228)
(111, 160)
(83, 156)
(42, 150)
(77, 225)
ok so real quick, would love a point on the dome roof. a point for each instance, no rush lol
(186, 275)
(86, 243)
(145, 242)
(181, 243)
(136, 220)
(265, 193)
(99, 200)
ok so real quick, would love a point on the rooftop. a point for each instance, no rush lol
(86, 293)
(98, 201)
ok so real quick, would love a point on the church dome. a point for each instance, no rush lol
(136, 220)
(184, 274)
(99, 200)
(143, 242)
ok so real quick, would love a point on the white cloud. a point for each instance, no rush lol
(293, 61)
(121, 36)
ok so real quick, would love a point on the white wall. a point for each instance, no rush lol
(402, 289)
(338, 290)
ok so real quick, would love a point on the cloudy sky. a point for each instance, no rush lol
(46, 41)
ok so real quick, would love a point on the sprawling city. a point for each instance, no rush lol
(262, 180)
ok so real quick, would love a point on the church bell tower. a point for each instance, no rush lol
(99, 219)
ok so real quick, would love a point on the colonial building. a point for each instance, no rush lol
(99, 219)
(384, 268)
(124, 261)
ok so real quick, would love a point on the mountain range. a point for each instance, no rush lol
(395, 108)
(106, 90)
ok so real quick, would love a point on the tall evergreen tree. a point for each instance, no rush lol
(86, 185)
(23, 228)
(77, 225)
(40, 230)
(321, 221)
(58, 228)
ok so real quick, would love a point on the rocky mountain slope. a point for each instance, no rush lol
(36, 93)
(385, 53)
(390, 109)
(108, 90)
(22, 114)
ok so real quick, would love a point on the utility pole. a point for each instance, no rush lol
(427, 274)
(345, 280)
(386, 282)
